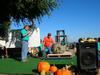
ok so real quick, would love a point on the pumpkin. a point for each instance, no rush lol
(58, 72)
(53, 68)
(43, 67)
(63, 72)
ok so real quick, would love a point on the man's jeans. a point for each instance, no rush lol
(24, 50)
(99, 55)
(49, 50)
(46, 51)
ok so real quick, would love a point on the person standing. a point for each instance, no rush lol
(98, 43)
(25, 37)
(48, 42)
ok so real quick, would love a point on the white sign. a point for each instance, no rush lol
(34, 40)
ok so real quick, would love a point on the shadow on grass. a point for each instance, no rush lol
(14, 53)
(59, 65)
(35, 72)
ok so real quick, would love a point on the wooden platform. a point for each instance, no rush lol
(67, 55)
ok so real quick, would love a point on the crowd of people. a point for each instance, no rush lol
(45, 44)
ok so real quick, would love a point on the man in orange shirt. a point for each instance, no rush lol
(48, 42)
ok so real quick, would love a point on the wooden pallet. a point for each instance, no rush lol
(59, 55)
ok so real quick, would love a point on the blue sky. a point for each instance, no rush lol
(79, 18)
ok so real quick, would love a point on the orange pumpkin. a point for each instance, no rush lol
(43, 66)
(58, 72)
(63, 72)
(69, 72)
(53, 68)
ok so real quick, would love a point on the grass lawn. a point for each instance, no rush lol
(12, 66)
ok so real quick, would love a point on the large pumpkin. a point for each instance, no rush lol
(63, 72)
(53, 68)
(43, 66)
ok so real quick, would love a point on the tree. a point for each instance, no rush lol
(26, 8)
(19, 9)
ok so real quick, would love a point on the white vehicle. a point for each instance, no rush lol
(2, 43)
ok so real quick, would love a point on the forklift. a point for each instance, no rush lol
(61, 37)
(60, 49)
(61, 42)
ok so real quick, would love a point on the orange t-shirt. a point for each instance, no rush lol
(47, 41)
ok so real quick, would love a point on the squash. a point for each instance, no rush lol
(58, 72)
(43, 67)
(53, 69)
(63, 72)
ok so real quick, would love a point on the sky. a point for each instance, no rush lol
(79, 19)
